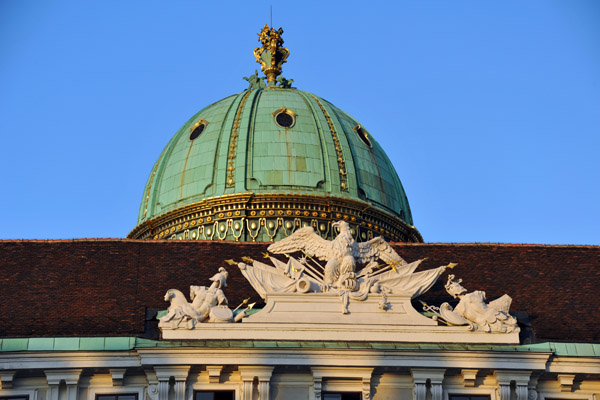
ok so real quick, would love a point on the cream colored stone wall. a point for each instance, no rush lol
(174, 374)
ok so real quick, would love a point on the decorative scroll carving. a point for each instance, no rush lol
(532, 393)
(473, 311)
(317, 386)
(152, 389)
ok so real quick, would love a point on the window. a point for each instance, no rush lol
(126, 396)
(364, 136)
(198, 128)
(342, 396)
(284, 117)
(214, 395)
(469, 397)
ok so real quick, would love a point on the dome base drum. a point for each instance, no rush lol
(272, 216)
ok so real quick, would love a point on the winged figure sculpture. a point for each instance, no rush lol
(343, 254)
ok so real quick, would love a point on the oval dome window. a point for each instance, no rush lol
(284, 117)
(198, 128)
(364, 136)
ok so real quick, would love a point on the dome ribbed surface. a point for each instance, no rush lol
(242, 149)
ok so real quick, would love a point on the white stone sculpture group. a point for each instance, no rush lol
(473, 311)
(332, 267)
(338, 274)
(209, 304)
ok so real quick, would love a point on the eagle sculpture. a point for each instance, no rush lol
(341, 254)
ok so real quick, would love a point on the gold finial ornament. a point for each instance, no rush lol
(271, 55)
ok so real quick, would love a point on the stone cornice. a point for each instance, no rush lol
(371, 358)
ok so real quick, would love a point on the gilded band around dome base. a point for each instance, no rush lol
(272, 216)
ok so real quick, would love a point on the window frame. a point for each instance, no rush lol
(544, 395)
(211, 387)
(10, 393)
(94, 391)
(468, 395)
(341, 392)
(137, 397)
(460, 390)
(212, 391)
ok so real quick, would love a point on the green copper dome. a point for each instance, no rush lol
(284, 146)
(260, 164)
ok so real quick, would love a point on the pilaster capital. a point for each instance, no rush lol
(249, 372)
(435, 375)
(55, 376)
(342, 372)
(6, 379)
(214, 373)
(469, 376)
(178, 372)
(505, 377)
(118, 374)
(566, 382)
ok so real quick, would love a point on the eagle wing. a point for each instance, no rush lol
(304, 239)
(375, 249)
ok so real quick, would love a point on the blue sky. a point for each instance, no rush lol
(490, 111)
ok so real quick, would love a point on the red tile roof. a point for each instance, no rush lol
(102, 287)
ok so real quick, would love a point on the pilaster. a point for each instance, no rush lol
(362, 374)
(263, 374)
(532, 393)
(469, 377)
(118, 374)
(164, 374)
(214, 373)
(566, 382)
(152, 389)
(521, 380)
(420, 378)
(6, 379)
(69, 376)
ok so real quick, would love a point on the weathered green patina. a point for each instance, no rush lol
(242, 149)
(131, 342)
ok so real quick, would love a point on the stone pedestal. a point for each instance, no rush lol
(318, 316)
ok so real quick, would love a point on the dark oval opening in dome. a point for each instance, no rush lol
(364, 136)
(284, 120)
(196, 132)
